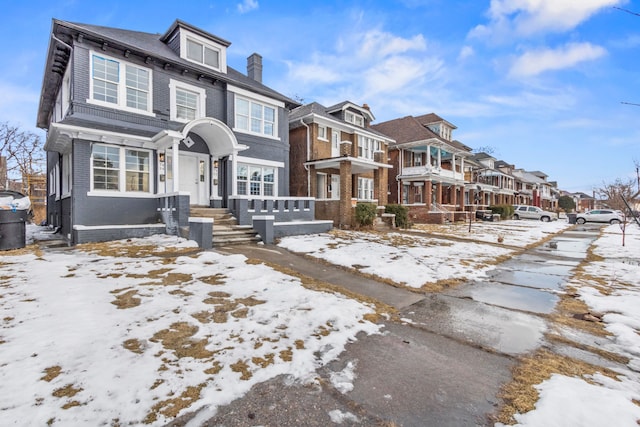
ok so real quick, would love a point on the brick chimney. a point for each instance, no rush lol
(254, 67)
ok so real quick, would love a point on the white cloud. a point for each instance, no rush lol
(528, 17)
(465, 52)
(313, 73)
(380, 62)
(536, 62)
(247, 6)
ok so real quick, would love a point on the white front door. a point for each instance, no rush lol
(194, 177)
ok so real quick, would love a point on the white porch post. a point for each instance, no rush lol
(176, 162)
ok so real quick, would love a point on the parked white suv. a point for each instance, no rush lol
(533, 212)
(600, 215)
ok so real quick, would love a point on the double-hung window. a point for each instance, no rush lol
(187, 101)
(255, 117)
(322, 132)
(120, 84)
(255, 180)
(365, 188)
(366, 147)
(120, 169)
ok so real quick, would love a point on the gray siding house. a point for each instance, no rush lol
(143, 127)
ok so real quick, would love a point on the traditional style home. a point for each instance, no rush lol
(583, 202)
(534, 184)
(491, 181)
(143, 127)
(428, 174)
(337, 158)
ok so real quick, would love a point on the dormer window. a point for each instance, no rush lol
(353, 118)
(203, 51)
(202, 54)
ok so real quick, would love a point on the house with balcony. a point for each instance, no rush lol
(143, 128)
(428, 167)
(537, 189)
(338, 159)
(490, 182)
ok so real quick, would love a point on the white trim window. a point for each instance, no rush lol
(187, 102)
(118, 84)
(365, 188)
(254, 180)
(356, 119)
(322, 132)
(255, 117)
(205, 52)
(366, 147)
(120, 169)
(66, 174)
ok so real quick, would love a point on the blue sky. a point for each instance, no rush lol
(542, 82)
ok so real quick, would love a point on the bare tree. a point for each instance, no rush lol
(613, 193)
(22, 150)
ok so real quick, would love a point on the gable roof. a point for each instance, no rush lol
(432, 118)
(407, 130)
(142, 44)
(318, 110)
(344, 105)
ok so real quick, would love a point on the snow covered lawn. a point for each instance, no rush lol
(610, 285)
(134, 332)
(419, 261)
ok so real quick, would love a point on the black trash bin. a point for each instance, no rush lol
(13, 229)
(571, 217)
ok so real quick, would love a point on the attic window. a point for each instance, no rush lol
(202, 54)
(353, 118)
(203, 51)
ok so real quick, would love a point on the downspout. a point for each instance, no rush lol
(308, 158)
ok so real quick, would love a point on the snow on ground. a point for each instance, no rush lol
(415, 260)
(93, 339)
(519, 233)
(601, 400)
(86, 335)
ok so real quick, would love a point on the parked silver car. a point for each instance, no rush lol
(600, 215)
(533, 212)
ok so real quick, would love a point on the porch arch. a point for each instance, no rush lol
(216, 134)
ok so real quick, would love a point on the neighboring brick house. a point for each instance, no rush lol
(142, 126)
(337, 158)
(584, 202)
(428, 172)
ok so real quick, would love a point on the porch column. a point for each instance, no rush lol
(345, 194)
(380, 180)
(428, 192)
(313, 182)
(439, 189)
(175, 148)
(461, 199)
(454, 195)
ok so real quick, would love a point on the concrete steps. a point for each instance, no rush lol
(226, 230)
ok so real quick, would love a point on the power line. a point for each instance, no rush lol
(629, 103)
(628, 11)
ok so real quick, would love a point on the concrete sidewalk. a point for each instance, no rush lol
(396, 297)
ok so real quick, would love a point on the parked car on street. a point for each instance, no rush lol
(600, 215)
(533, 212)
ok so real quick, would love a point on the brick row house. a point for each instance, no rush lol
(338, 158)
(428, 166)
(439, 178)
(141, 128)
